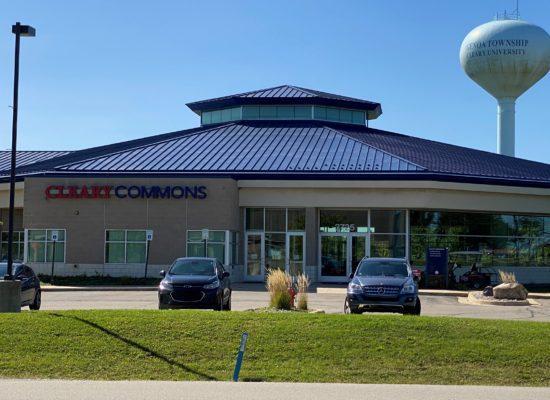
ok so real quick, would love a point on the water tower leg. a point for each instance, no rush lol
(506, 126)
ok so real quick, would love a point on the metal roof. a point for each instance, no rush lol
(287, 94)
(296, 149)
(26, 157)
(446, 158)
(251, 147)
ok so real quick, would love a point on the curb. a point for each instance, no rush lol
(431, 292)
(99, 288)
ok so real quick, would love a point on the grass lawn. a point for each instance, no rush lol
(192, 345)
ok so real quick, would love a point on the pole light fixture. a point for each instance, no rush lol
(26, 31)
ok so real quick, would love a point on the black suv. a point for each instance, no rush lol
(195, 282)
(31, 294)
(383, 284)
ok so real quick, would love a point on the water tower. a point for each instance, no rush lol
(506, 57)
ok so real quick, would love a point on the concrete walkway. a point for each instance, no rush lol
(137, 390)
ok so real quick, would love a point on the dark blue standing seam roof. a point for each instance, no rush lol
(295, 149)
(27, 157)
(287, 94)
(446, 158)
(251, 147)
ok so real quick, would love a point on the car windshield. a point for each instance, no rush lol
(382, 268)
(193, 267)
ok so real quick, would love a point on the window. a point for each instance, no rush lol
(275, 223)
(283, 112)
(18, 245)
(219, 116)
(339, 115)
(40, 245)
(493, 239)
(125, 246)
(217, 245)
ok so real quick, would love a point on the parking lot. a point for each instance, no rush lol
(246, 297)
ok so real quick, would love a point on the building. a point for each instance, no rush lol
(284, 177)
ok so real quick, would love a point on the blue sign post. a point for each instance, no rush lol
(436, 267)
(240, 355)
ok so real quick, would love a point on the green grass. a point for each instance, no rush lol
(193, 345)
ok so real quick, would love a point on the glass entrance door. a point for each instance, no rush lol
(340, 255)
(255, 258)
(334, 255)
(295, 253)
(358, 250)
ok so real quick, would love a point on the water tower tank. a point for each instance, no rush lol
(506, 57)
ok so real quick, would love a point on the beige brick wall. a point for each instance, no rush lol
(86, 219)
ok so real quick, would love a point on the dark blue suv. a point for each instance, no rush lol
(195, 282)
(383, 284)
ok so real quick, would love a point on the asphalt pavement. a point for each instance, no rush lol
(253, 296)
(137, 390)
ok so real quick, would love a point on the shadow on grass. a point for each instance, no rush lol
(138, 346)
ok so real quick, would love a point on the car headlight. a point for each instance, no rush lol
(166, 285)
(213, 285)
(408, 289)
(355, 287)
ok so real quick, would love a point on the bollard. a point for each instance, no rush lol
(240, 355)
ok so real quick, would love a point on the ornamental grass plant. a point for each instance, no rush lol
(302, 281)
(278, 284)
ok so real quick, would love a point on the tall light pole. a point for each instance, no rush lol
(26, 31)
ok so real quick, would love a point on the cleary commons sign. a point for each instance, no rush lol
(124, 192)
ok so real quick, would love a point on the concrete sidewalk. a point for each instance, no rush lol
(429, 292)
(340, 289)
(137, 390)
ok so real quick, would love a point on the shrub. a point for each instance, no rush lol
(507, 277)
(281, 301)
(278, 285)
(303, 284)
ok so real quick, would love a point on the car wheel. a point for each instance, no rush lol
(35, 305)
(413, 310)
(163, 306)
(350, 309)
(228, 304)
(219, 304)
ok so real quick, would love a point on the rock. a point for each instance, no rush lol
(513, 291)
(488, 291)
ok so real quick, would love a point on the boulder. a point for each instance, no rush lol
(488, 291)
(512, 291)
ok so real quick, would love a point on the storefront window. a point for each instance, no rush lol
(266, 244)
(214, 246)
(387, 245)
(275, 219)
(40, 245)
(344, 220)
(387, 221)
(255, 219)
(493, 240)
(296, 219)
(124, 246)
(18, 245)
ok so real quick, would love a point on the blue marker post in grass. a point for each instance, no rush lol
(240, 355)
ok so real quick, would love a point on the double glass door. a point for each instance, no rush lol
(340, 254)
(265, 251)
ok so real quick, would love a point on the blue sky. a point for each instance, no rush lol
(106, 71)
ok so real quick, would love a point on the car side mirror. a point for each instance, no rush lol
(351, 275)
(162, 273)
(225, 274)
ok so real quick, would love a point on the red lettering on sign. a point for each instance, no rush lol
(73, 194)
(84, 192)
(48, 192)
(107, 192)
